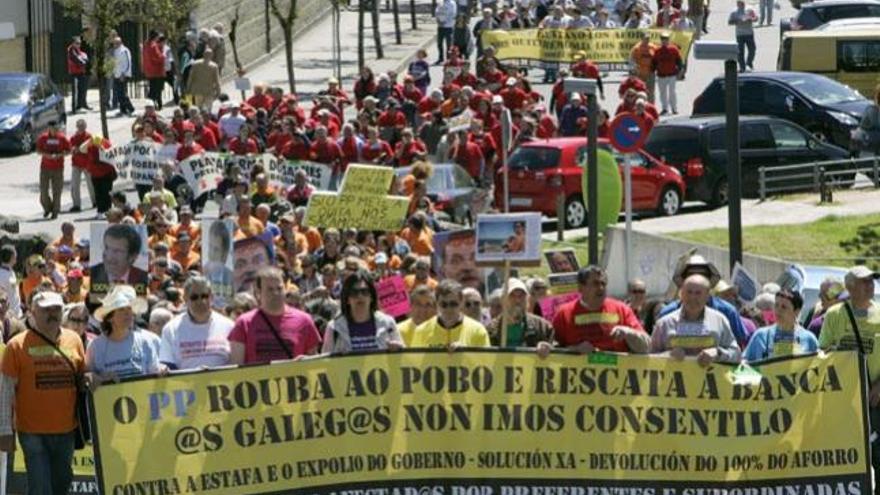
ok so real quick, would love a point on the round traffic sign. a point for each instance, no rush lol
(627, 132)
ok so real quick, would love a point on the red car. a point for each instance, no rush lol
(540, 170)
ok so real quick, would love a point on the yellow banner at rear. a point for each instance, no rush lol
(486, 423)
(602, 46)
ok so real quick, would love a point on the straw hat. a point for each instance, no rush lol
(121, 296)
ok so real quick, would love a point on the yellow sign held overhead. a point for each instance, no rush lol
(362, 203)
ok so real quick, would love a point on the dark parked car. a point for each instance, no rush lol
(452, 190)
(697, 146)
(28, 102)
(826, 108)
(814, 14)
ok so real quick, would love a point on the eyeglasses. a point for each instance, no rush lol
(637, 291)
(448, 304)
(198, 297)
(472, 304)
(359, 292)
(78, 320)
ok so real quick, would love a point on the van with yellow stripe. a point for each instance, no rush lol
(851, 57)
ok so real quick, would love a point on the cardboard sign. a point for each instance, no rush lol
(393, 299)
(202, 172)
(550, 304)
(363, 202)
(746, 284)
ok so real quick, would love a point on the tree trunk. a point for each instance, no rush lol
(377, 35)
(339, 44)
(396, 6)
(288, 52)
(412, 14)
(100, 74)
(361, 14)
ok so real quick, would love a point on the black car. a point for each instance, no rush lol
(697, 146)
(814, 14)
(28, 102)
(826, 108)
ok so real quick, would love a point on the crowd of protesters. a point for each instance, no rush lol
(315, 292)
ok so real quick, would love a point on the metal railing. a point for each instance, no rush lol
(814, 176)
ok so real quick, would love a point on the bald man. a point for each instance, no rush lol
(695, 329)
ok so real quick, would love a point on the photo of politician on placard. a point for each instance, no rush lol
(218, 265)
(513, 237)
(119, 256)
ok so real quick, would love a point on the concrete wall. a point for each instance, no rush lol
(15, 11)
(12, 55)
(654, 259)
(251, 36)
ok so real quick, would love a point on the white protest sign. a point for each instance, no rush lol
(202, 172)
(745, 283)
(136, 160)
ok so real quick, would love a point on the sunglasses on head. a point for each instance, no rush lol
(197, 297)
(448, 304)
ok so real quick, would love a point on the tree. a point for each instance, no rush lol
(377, 35)
(337, 36)
(105, 15)
(396, 7)
(287, 19)
(233, 40)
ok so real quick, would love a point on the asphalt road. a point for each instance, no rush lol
(19, 174)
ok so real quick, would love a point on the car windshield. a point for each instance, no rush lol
(438, 181)
(825, 91)
(13, 92)
(534, 158)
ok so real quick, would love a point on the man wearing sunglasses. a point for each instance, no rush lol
(450, 329)
(197, 338)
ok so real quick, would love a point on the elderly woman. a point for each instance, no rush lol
(123, 349)
(76, 318)
(360, 325)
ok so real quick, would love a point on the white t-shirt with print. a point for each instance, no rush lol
(189, 345)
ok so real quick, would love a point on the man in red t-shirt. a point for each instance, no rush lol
(274, 330)
(326, 151)
(79, 144)
(52, 145)
(595, 321)
(667, 64)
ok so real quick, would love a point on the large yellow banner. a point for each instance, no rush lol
(603, 46)
(490, 422)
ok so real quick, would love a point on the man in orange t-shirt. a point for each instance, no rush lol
(248, 225)
(38, 387)
(641, 58)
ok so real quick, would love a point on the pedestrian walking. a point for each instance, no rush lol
(204, 80)
(765, 7)
(641, 59)
(40, 370)
(122, 64)
(445, 14)
(153, 66)
(744, 18)
(77, 63)
(667, 64)
(52, 145)
(79, 144)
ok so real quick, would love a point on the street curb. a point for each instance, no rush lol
(404, 64)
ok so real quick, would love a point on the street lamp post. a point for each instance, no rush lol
(588, 87)
(728, 51)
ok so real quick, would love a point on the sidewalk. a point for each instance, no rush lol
(313, 61)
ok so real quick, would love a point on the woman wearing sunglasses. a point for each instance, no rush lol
(76, 318)
(360, 325)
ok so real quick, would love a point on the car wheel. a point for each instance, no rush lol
(720, 193)
(26, 143)
(670, 202)
(575, 212)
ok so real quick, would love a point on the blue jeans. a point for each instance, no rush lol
(743, 42)
(47, 458)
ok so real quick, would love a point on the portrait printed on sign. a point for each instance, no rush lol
(219, 261)
(454, 258)
(251, 254)
(119, 256)
(561, 260)
(513, 237)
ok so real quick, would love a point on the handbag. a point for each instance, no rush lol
(83, 433)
